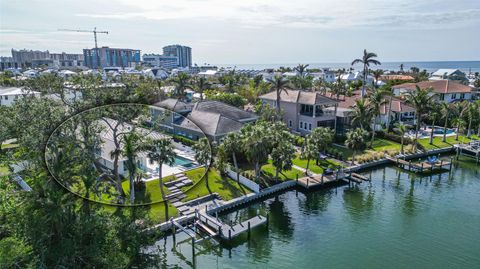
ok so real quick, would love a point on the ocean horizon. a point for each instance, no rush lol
(430, 66)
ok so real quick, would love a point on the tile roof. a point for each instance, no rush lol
(439, 86)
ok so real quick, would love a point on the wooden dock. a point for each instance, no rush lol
(471, 149)
(319, 180)
(229, 232)
(215, 227)
(421, 167)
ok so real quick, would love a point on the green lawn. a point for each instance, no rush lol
(317, 169)
(269, 170)
(8, 146)
(4, 170)
(438, 143)
(224, 186)
(157, 212)
(380, 144)
(151, 193)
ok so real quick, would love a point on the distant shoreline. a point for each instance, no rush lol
(430, 66)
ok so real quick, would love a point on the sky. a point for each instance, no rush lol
(252, 31)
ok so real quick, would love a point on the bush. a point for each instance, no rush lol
(299, 141)
(184, 140)
(394, 137)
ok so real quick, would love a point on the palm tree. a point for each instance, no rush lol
(445, 111)
(203, 155)
(459, 109)
(232, 145)
(308, 152)
(362, 115)
(132, 145)
(282, 156)
(366, 60)
(200, 84)
(420, 100)
(356, 141)
(434, 115)
(402, 129)
(162, 152)
(321, 138)
(278, 84)
(301, 69)
(256, 143)
(377, 74)
(376, 99)
(472, 113)
(181, 82)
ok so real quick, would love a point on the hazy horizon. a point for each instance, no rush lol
(252, 31)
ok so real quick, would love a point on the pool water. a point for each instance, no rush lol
(399, 220)
(183, 161)
(440, 131)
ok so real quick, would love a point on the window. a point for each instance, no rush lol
(462, 96)
(301, 125)
(289, 123)
(454, 96)
(310, 126)
(442, 96)
(6, 97)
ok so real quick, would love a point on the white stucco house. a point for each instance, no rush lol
(9, 95)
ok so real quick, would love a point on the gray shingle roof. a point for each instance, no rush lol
(212, 124)
(301, 97)
(174, 105)
(225, 110)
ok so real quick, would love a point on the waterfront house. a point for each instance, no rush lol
(444, 90)
(303, 110)
(213, 119)
(395, 108)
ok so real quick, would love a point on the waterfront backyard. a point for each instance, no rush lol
(395, 217)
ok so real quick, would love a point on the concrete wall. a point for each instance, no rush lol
(244, 181)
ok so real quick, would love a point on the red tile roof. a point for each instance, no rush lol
(439, 86)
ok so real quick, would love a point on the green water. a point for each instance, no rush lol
(399, 220)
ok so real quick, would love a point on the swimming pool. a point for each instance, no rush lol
(183, 161)
(440, 131)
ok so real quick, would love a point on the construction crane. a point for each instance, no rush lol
(95, 32)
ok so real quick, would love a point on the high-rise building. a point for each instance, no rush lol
(67, 60)
(183, 53)
(111, 57)
(157, 60)
(30, 58)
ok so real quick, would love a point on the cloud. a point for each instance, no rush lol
(330, 14)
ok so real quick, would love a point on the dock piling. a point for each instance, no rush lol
(248, 235)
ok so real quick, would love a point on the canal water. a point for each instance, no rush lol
(399, 220)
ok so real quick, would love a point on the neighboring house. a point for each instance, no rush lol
(399, 112)
(303, 110)
(386, 78)
(211, 118)
(444, 90)
(8, 95)
(356, 76)
(450, 74)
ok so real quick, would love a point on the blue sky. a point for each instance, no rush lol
(251, 31)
